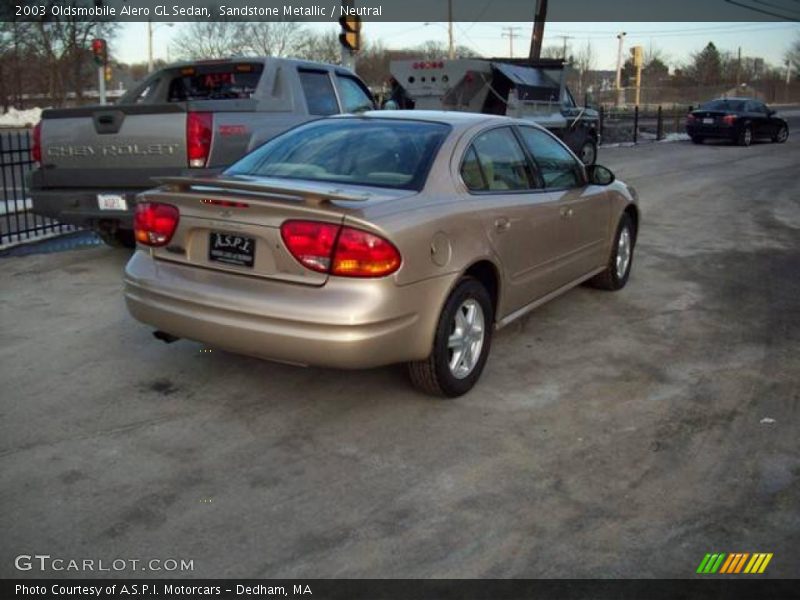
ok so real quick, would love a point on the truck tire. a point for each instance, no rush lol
(588, 151)
(119, 238)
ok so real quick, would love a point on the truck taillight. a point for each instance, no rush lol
(154, 223)
(36, 145)
(199, 130)
(338, 250)
(431, 64)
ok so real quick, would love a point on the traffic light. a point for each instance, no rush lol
(350, 37)
(637, 53)
(107, 73)
(99, 51)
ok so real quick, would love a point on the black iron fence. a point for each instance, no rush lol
(634, 124)
(17, 221)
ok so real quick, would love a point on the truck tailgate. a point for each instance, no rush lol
(122, 146)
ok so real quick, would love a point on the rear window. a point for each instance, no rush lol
(214, 82)
(375, 152)
(732, 105)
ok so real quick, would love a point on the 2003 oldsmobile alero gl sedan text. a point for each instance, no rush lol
(381, 238)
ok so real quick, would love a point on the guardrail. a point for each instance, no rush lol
(17, 223)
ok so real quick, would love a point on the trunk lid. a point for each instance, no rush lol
(253, 209)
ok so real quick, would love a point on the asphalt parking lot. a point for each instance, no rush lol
(612, 434)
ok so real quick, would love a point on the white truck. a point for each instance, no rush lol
(524, 89)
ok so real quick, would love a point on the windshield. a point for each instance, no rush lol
(375, 152)
(731, 105)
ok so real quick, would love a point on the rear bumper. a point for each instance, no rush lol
(347, 323)
(79, 207)
(714, 131)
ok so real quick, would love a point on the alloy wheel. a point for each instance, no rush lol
(467, 332)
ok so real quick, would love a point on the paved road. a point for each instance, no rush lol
(612, 435)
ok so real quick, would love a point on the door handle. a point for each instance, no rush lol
(567, 212)
(502, 224)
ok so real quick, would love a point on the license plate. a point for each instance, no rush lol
(708, 121)
(231, 249)
(111, 202)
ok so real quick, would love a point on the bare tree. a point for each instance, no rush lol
(271, 38)
(210, 39)
(432, 50)
(792, 57)
(322, 47)
(583, 62)
(60, 48)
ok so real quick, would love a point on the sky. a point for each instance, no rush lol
(677, 41)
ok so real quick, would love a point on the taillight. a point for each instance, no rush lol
(729, 119)
(337, 250)
(690, 118)
(36, 146)
(311, 243)
(154, 223)
(362, 254)
(199, 129)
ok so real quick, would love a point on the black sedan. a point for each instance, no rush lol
(740, 120)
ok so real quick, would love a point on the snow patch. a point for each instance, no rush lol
(21, 118)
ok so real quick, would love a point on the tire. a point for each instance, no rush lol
(745, 136)
(588, 151)
(614, 278)
(120, 238)
(435, 375)
(697, 139)
(782, 135)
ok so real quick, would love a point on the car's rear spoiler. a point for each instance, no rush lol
(311, 194)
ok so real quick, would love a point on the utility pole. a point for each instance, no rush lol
(739, 67)
(149, 45)
(621, 38)
(564, 50)
(348, 59)
(511, 34)
(451, 49)
(538, 30)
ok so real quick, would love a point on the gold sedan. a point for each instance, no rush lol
(386, 237)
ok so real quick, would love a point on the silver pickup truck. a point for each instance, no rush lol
(189, 118)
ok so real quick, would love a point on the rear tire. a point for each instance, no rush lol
(619, 265)
(782, 135)
(461, 343)
(697, 139)
(120, 238)
(745, 136)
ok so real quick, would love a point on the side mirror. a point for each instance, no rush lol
(600, 175)
(771, 113)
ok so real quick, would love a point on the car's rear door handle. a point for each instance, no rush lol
(502, 224)
(567, 212)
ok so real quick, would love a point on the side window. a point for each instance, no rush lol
(354, 98)
(558, 167)
(502, 162)
(471, 171)
(320, 97)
